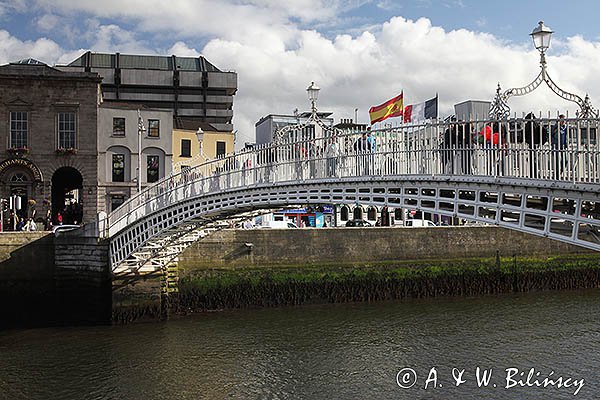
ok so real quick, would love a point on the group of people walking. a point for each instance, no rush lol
(496, 142)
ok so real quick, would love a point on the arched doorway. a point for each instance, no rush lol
(344, 213)
(385, 216)
(20, 184)
(67, 190)
(372, 213)
(20, 180)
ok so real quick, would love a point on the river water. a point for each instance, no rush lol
(333, 351)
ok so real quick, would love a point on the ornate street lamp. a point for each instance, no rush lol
(541, 36)
(313, 94)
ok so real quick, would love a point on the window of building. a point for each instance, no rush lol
(152, 169)
(118, 168)
(154, 128)
(18, 129)
(220, 148)
(118, 126)
(186, 148)
(116, 201)
(66, 130)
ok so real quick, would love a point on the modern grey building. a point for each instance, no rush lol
(193, 88)
(118, 153)
(471, 110)
(267, 126)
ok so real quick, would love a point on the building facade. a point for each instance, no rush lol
(194, 146)
(119, 139)
(48, 151)
(193, 88)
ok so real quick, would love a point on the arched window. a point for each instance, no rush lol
(344, 213)
(358, 212)
(372, 213)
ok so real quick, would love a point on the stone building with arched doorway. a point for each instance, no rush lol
(48, 136)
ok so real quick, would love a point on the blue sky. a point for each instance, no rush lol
(360, 52)
(507, 20)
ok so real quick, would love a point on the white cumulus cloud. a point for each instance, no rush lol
(13, 49)
(277, 49)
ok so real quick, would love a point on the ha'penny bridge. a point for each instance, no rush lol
(513, 173)
(534, 174)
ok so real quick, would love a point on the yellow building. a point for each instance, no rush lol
(194, 146)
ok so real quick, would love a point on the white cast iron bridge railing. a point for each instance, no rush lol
(517, 174)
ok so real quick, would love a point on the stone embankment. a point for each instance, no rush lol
(267, 267)
(47, 279)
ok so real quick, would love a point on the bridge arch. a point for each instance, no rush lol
(536, 210)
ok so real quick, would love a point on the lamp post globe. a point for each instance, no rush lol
(313, 94)
(541, 36)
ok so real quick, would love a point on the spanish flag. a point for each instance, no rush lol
(391, 108)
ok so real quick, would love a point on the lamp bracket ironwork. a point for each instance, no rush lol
(279, 135)
(500, 109)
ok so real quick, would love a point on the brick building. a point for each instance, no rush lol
(48, 141)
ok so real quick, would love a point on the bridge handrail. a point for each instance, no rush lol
(507, 149)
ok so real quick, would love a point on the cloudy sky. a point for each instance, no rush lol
(360, 52)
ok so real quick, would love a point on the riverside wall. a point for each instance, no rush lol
(348, 246)
(65, 279)
(51, 280)
(265, 267)
(26, 277)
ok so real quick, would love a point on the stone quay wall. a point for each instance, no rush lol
(65, 279)
(50, 280)
(268, 247)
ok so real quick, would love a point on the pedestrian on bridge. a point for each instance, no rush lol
(371, 149)
(360, 148)
(332, 153)
(559, 141)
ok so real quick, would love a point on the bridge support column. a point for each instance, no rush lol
(145, 296)
(82, 279)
